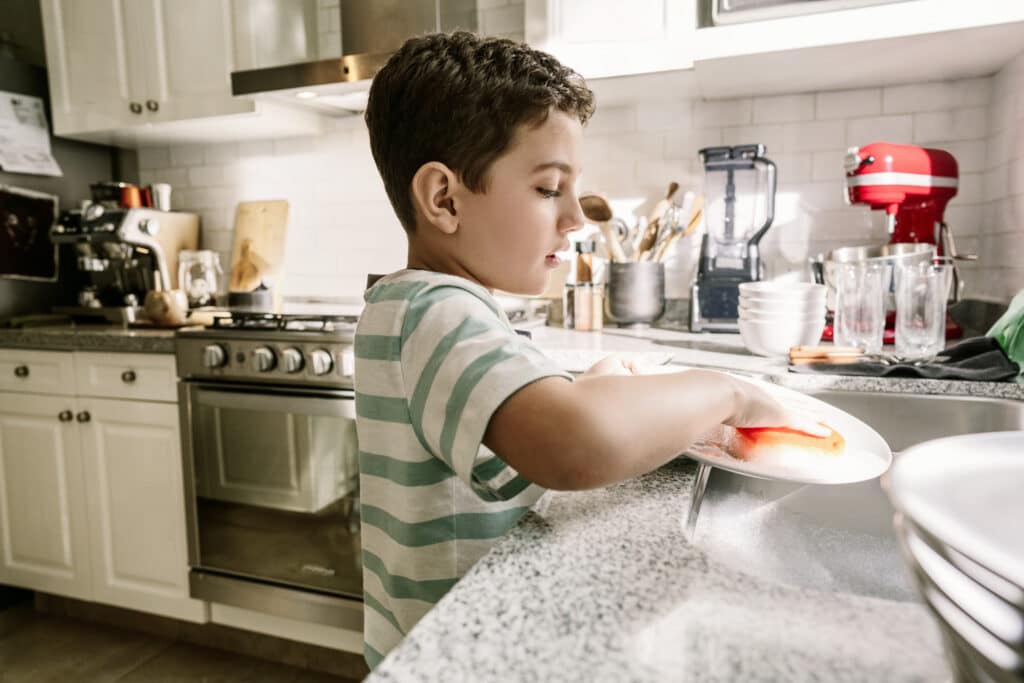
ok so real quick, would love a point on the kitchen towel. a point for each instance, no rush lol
(978, 358)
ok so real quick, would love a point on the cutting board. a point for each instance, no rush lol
(257, 252)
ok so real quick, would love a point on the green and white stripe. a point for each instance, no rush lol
(435, 357)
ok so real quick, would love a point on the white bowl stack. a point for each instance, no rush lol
(775, 315)
(958, 514)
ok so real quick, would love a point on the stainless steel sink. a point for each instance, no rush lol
(836, 538)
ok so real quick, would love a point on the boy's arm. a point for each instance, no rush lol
(604, 429)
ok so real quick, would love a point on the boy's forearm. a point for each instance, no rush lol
(647, 420)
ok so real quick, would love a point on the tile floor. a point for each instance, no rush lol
(38, 647)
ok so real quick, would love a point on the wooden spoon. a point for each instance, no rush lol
(597, 209)
(654, 221)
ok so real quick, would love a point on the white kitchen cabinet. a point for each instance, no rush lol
(131, 458)
(91, 485)
(44, 543)
(135, 71)
(600, 38)
(901, 42)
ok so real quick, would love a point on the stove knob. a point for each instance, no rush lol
(263, 359)
(291, 359)
(214, 356)
(320, 362)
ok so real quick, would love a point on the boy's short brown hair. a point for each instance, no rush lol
(458, 99)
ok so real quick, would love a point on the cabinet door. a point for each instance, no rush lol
(133, 473)
(601, 38)
(187, 49)
(43, 528)
(92, 76)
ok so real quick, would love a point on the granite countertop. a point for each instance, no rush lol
(603, 585)
(89, 337)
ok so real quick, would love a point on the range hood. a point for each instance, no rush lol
(343, 46)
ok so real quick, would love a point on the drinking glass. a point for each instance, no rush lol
(860, 306)
(922, 290)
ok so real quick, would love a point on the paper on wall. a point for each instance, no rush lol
(25, 136)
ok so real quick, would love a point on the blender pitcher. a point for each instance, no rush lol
(198, 273)
(739, 206)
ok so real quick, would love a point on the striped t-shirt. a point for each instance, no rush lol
(435, 357)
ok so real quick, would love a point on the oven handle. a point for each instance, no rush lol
(335, 404)
(268, 389)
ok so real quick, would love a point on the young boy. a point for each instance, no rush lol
(462, 423)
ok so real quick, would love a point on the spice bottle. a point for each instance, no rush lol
(585, 261)
(597, 306)
(583, 308)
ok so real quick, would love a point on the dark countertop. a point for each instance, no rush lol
(88, 337)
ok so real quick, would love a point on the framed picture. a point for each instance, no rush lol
(26, 217)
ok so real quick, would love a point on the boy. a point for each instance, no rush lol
(462, 423)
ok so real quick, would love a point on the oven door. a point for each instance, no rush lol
(271, 486)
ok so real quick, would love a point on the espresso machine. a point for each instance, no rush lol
(739, 207)
(912, 185)
(117, 255)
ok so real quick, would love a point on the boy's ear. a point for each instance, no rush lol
(433, 194)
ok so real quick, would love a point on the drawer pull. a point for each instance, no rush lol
(128, 376)
(83, 416)
(65, 416)
(21, 371)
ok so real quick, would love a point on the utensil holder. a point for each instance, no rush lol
(636, 293)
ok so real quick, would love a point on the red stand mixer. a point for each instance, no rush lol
(912, 185)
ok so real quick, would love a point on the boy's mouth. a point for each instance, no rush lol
(552, 260)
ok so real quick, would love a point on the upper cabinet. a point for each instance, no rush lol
(140, 71)
(600, 38)
(895, 42)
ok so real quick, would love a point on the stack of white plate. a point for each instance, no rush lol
(959, 510)
(775, 315)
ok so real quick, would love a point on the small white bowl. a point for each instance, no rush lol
(777, 308)
(776, 339)
(781, 289)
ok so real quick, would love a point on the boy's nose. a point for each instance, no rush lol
(572, 217)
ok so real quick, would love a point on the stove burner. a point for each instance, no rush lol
(250, 320)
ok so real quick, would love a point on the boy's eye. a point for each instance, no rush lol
(548, 194)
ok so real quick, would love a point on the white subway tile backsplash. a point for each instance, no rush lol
(707, 113)
(899, 129)
(783, 109)
(814, 136)
(908, 99)
(342, 225)
(845, 104)
(958, 124)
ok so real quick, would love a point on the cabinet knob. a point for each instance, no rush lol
(152, 105)
(83, 416)
(64, 416)
(135, 107)
(21, 371)
(128, 376)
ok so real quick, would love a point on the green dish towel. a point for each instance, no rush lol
(1008, 331)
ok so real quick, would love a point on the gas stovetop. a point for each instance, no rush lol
(303, 348)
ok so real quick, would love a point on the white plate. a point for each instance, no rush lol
(867, 455)
(966, 492)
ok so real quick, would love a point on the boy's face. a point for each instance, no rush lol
(508, 235)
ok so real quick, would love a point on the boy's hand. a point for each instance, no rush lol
(613, 364)
(756, 408)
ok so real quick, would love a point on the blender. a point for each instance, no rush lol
(739, 206)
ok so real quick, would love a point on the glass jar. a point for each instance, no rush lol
(198, 276)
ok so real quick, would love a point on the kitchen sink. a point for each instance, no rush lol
(835, 538)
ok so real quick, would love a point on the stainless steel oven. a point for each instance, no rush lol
(271, 469)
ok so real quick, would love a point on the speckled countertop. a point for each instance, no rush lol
(88, 337)
(604, 585)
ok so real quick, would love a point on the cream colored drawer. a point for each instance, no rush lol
(143, 376)
(37, 372)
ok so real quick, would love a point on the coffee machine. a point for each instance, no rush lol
(912, 185)
(119, 254)
(739, 207)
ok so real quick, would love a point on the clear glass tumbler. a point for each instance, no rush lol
(922, 290)
(860, 305)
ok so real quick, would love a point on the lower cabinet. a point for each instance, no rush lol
(91, 501)
(45, 537)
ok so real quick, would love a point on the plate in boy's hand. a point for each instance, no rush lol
(851, 451)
